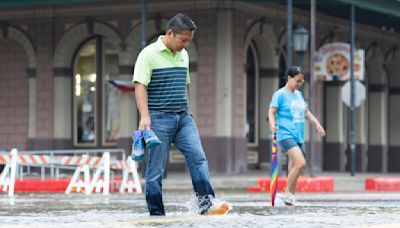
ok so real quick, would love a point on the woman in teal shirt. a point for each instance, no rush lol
(287, 113)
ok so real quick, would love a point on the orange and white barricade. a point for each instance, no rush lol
(78, 185)
(99, 182)
(80, 160)
(31, 159)
(102, 184)
(7, 176)
(102, 165)
(127, 183)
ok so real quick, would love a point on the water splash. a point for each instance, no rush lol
(193, 203)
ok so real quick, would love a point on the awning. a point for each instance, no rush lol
(30, 3)
(388, 7)
(379, 13)
(384, 14)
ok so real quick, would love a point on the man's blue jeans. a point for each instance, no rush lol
(179, 129)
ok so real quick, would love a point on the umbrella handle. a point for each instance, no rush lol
(274, 140)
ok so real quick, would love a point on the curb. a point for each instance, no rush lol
(37, 185)
(304, 184)
(382, 184)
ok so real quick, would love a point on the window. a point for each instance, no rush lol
(252, 97)
(282, 71)
(95, 101)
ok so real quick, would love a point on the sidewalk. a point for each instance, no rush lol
(257, 180)
(343, 182)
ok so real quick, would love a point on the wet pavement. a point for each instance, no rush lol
(249, 210)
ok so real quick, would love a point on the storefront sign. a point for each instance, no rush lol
(332, 63)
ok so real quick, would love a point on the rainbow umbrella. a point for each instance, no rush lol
(273, 184)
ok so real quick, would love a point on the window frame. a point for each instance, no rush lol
(99, 104)
(256, 96)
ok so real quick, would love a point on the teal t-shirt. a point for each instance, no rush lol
(290, 115)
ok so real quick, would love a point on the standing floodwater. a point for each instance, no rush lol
(249, 210)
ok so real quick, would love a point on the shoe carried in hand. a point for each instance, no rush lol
(150, 138)
(138, 146)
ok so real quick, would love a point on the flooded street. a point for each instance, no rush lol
(249, 210)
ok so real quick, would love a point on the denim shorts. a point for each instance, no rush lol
(288, 144)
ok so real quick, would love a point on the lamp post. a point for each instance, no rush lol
(300, 42)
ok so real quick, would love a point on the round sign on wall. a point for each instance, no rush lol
(359, 93)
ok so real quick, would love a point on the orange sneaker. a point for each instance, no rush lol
(219, 208)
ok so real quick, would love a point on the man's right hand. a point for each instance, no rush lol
(145, 123)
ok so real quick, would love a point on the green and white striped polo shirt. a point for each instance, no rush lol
(165, 74)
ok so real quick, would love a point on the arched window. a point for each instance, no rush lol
(252, 97)
(282, 71)
(95, 102)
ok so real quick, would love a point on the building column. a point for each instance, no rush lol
(224, 74)
(334, 153)
(240, 153)
(42, 36)
(377, 149)
(223, 108)
(32, 106)
(230, 144)
(393, 68)
(318, 153)
(62, 108)
(377, 107)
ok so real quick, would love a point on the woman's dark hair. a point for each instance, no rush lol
(181, 22)
(293, 71)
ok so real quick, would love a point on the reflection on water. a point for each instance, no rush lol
(249, 210)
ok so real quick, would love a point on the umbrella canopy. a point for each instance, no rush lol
(273, 186)
(125, 86)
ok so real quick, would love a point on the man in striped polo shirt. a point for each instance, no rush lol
(161, 78)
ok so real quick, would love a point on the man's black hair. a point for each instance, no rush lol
(181, 22)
